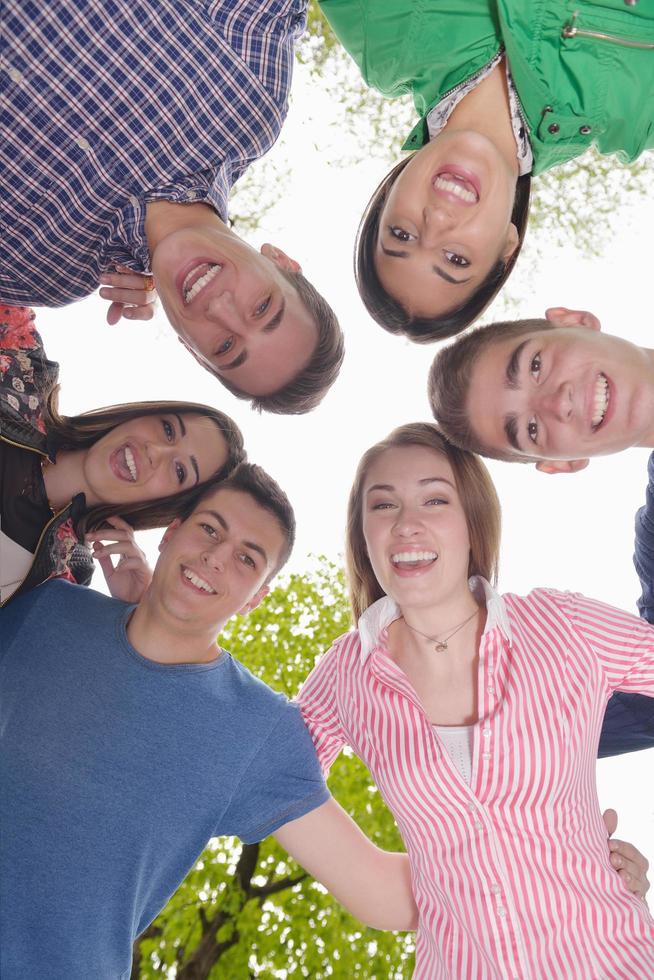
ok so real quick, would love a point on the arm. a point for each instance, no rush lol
(131, 576)
(318, 701)
(373, 885)
(644, 548)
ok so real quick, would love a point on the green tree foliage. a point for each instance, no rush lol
(577, 203)
(250, 911)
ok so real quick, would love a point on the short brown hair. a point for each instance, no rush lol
(306, 390)
(390, 314)
(253, 480)
(478, 498)
(449, 383)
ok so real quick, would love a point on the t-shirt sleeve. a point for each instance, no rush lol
(623, 643)
(318, 700)
(282, 782)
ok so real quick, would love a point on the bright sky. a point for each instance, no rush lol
(569, 532)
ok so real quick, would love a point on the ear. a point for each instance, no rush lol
(560, 316)
(511, 243)
(254, 601)
(168, 533)
(562, 465)
(280, 258)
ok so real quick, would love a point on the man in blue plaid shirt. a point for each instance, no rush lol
(124, 126)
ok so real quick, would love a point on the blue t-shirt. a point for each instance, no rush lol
(115, 771)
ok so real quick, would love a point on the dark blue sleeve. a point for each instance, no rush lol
(629, 719)
(644, 548)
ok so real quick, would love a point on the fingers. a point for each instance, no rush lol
(631, 865)
(610, 819)
(130, 294)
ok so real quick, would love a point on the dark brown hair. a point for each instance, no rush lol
(390, 314)
(478, 498)
(266, 492)
(449, 383)
(306, 390)
(82, 431)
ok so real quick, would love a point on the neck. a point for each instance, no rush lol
(647, 440)
(162, 218)
(65, 478)
(157, 636)
(487, 110)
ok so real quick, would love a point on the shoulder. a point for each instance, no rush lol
(56, 607)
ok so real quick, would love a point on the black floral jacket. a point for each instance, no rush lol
(26, 375)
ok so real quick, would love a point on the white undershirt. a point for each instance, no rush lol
(458, 741)
(15, 563)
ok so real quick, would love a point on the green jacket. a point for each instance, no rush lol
(584, 71)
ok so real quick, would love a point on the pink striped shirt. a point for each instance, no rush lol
(511, 874)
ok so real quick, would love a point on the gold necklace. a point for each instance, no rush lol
(441, 644)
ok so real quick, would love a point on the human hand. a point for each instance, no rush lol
(131, 294)
(627, 860)
(131, 576)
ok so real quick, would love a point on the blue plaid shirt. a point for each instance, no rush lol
(113, 103)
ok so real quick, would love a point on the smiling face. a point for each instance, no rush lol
(217, 562)
(415, 528)
(233, 308)
(446, 223)
(151, 457)
(568, 393)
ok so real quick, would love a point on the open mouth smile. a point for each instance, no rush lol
(124, 465)
(197, 278)
(601, 400)
(451, 183)
(413, 560)
(198, 583)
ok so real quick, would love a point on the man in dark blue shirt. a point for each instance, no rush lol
(125, 126)
(128, 738)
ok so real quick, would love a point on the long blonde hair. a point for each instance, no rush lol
(478, 498)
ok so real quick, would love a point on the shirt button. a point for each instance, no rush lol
(553, 128)
(15, 75)
(486, 733)
(485, 755)
(495, 888)
(490, 689)
(501, 912)
(585, 130)
(133, 199)
(83, 143)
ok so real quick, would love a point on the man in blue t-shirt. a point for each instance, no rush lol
(128, 738)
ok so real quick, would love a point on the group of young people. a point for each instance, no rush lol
(128, 736)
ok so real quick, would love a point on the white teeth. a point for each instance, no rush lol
(453, 187)
(129, 462)
(191, 291)
(198, 582)
(413, 557)
(600, 400)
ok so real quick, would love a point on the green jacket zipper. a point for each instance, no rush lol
(571, 30)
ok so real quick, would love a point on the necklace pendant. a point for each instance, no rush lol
(440, 646)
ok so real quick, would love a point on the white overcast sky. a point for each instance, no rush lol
(569, 532)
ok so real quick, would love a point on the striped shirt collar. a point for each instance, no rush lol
(382, 613)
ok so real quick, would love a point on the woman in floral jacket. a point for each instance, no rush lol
(92, 478)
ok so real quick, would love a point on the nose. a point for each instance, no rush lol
(557, 402)
(222, 309)
(159, 452)
(406, 524)
(213, 556)
(437, 220)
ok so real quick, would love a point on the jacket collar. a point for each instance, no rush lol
(382, 613)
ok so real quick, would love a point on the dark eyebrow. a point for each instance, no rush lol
(194, 462)
(448, 278)
(511, 431)
(511, 378)
(241, 359)
(393, 253)
(277, 319)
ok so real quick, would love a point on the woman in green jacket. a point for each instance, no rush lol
(503, 90)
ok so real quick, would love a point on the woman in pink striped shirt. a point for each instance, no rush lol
(479, 716)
